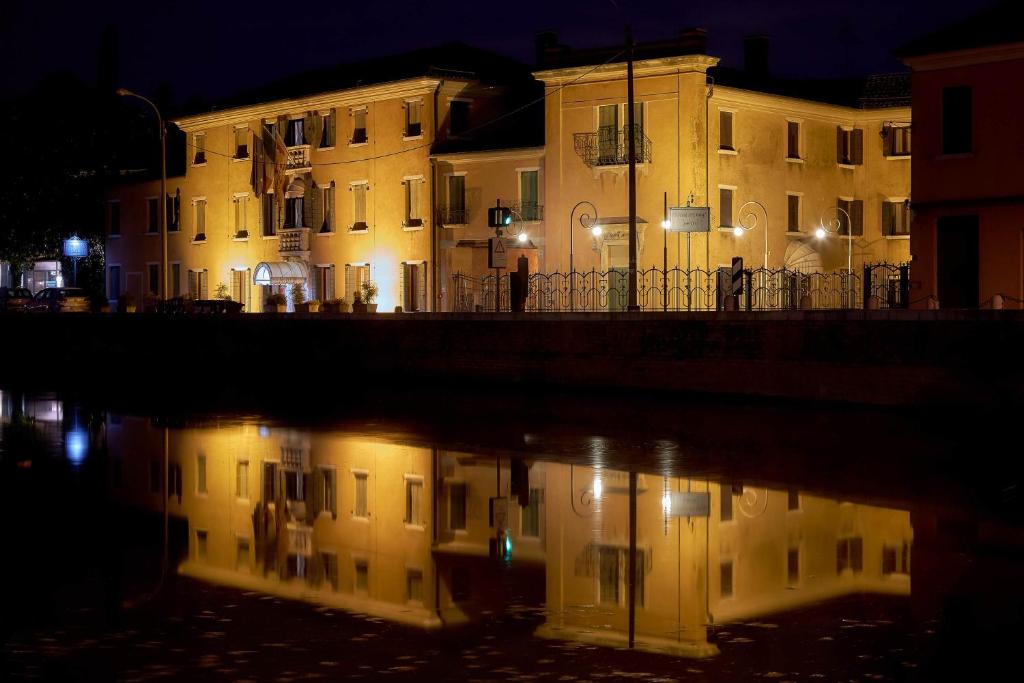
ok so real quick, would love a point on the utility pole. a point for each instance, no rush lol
(632, 303)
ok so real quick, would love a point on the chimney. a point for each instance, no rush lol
(546, 43)
(693, 41)
(755, 56)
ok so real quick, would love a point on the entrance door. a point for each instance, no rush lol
(618, 277)
(957, 261)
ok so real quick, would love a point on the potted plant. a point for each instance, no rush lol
(336, 306)
(276, 303)
(368, 288)
(126, 303)
(222, 292)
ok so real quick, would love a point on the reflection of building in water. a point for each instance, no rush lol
(341, 520)
(757, 553)
(408, 533)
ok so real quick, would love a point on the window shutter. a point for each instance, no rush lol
(330, 283)
(236, 286)
(857, 146)
(350, 283)
(316, 496)
(315, 202)
(311, 128)
(193, 287)
(334, 487)
(887, 223)
(857, 216)
(333, 207)
(404, 286)
(204, 280)
(422, 288)
(839, 145)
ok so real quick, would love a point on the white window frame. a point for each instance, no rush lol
(324, 115)
(847, 143)
(195, 219)
(237, 496)
(360, 559)
(234, 142)
(244, 198)
(196, 148)
(352, 111)
(732, 209)
(406, 479)
(206, 466)
(799, 212)
(448, 196)
(733, 150)
(799, 158)
(898, 200)
(407, 183)
(366, 206)
(519, 186)
(357, 473)
(405, 131)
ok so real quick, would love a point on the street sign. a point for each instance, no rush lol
(688, 504)
(499, 513)
(689, 219)
(75, 247)
(496, 253)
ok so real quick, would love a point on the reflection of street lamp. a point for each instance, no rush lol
(595, 230)
(748, 222)
(124, 92)
(834, 227)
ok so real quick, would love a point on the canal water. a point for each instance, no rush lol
(512, 538)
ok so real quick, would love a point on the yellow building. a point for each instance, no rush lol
(389, 179)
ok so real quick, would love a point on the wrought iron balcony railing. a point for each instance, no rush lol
(529, 211)
(609, 146)
(453, 215)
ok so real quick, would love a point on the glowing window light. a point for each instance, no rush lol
(76, 446)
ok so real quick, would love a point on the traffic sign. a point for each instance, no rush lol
(497, 256)
(689, 219)
(737, 275)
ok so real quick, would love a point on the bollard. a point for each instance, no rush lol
(872, 303)
(732, 302)
(805, 302)
(997, 302)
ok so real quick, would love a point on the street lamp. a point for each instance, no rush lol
(124, 92)
(834, 227)
(594, 230)
(748, 222)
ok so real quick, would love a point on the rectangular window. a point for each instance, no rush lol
(725, 494)
(361, 503)
(176, 279)
(414, 585)
(328, 209)
(957, 133)
(895, 219)
(725, 579)
(413, 501)
(413, 126)
(242, 479)
(359, 126)
(725, 130)
(793, 566)
(456, 214)
(269, 481)
(851, 217)
(294, 212)
(200, 222)
(323, 283)
(608, 134)
(849, 146)
(793, 202)
(355, 276)
(115, 218)
(529, 195)
(531, 515)
(294, 485)
(241, 143)
(414, 286)
(359, 206)
(792, 499)
(242, 554)
(330, 490)
(198, 284)
(327, 135)
(174, 481)
(240, 202)
(269, 215)
(850, 554)
(153, 209)
(888, 561)
(725, 204)
(174, 212)
(792, 140)
(240, 287)
(153, 278)
(608, 586)
(458, 117)
(201, 474)
(114, 286)
(199, 148)
(296, 133)
(201, 537)
(362, 576)
(330, 563)
(413, 217)
(457, 507)
(897, 140)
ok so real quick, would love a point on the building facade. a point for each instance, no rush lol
(390, 182)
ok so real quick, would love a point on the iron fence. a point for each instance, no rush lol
(879, 285)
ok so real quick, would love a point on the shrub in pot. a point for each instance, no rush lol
(126, 303)
(368, 290)
(276, 303)
(335, 306)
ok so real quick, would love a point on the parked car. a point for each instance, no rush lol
(60, 300)
(14, 298)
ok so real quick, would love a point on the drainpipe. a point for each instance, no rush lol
(434, 268)
(433, 533)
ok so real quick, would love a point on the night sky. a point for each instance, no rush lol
(213, 49)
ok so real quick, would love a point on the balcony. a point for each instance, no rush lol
(528, 211)
(293, 241)
(453, 215)
(297, 159)
(300, 539)
(609, 146)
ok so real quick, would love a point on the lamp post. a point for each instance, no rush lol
(124, 92)
(748, 222)
(834, 226)
(595, 230)
(665, 225)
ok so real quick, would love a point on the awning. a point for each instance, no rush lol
(280, 273)
(617, 220)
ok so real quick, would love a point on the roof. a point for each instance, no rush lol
(998, 25)
(870, 92)
(451, 61)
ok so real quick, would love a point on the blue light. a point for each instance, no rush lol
(264, 431)
(76, 446)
